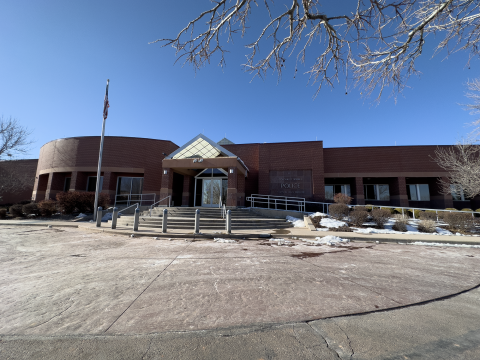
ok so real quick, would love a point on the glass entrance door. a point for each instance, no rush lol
(211, 192)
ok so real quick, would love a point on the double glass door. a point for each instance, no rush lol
(212, 192)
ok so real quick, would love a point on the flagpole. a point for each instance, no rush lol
(97, 188)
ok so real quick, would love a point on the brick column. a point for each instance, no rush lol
(40, 187)
(78, 181)
(232, 187)
(55, 184)
(240, 189)
(398, 192)
(49, 186)
(437, 199)
(167, 185)
(359, 194)
(187, 185)
(109, 186)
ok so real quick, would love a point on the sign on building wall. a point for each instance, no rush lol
(291, 183)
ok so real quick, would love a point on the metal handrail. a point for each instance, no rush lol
(129, 198)
(137, 205)
(278, 200)
(224, 211)
(254, 199)
(169, 197)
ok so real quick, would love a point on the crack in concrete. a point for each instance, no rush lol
(161, 272)
(349, 341)
(148, 349)
(59, 314)
(325, 340)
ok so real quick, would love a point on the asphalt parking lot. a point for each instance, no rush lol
(66, 282)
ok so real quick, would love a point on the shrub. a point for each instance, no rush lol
(338, 211)
(391, 210)
(343, 228)
(427, 226)
(415, 213)
(369, 207)
(428, 215)
(342, 199)
(47, 207)
(466, 209)
(453, 209)
(16, 210)
(72, 201)
(459, 221)
(358, 217)
(401, 223)
(359, 208)
(3, 213)
(316, 220)
(30, 209)
(380, 217)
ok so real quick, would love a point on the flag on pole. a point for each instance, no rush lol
(106, 105)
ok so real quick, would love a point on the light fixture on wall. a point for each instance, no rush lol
(200, 160)
(195, 160)
(165, 172)
(231, 171)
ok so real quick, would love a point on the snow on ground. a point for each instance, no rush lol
(281, 242)
(107, 216)
(296, 221)
(220, 240)
(440, 244)
(317, 214)
(332, 223)
(81, 215)
(326, 240)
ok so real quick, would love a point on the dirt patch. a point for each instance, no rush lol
(281, 232)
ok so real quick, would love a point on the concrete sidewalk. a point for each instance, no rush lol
(289, 233)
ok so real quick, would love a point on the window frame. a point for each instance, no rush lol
(376, 191)
(101, 183)
(65, 183)
(459, 191)
(343, 187)
(417, 192)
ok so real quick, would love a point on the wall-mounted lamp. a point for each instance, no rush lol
(195, 160)
(231, 171)
(200, 160)
(165, 172)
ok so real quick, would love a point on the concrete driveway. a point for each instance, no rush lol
(68, 282)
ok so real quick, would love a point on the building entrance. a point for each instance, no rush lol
(211, 188)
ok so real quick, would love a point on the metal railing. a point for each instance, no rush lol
(127, 199)
(169, 197)
(257, 199)
(137, 206)
(295, 203)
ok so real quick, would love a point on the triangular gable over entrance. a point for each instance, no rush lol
(200, 147)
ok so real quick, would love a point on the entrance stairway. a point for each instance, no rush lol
(183, 218)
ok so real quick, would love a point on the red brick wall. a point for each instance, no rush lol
(118, 152)
(387, 159)
(24, 169)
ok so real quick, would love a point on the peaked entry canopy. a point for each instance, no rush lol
(200, 147)
(202, 153)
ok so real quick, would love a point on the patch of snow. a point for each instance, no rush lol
(81, 215)
(442, 231)
(296, 221)
(332, 223)
(220, 240)
(326, 240)
(281, 242)
(107, 216)
(440, 244)
(317, 214)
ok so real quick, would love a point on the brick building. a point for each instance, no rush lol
(203, 172)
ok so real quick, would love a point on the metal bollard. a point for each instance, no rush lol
(99, 216)
(164, 221)
(229, 222)
(136, 219)
(114, 218)
(197, 221)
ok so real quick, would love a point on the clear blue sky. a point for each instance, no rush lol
(57, 55)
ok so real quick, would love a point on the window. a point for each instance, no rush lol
(418, 192)
(129, 185)
(377, 192)
(331, 190)
(92, 183)
(457, 192)
(66, 186)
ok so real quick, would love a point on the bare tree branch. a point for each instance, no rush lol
(13, 138)
(378, 40)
